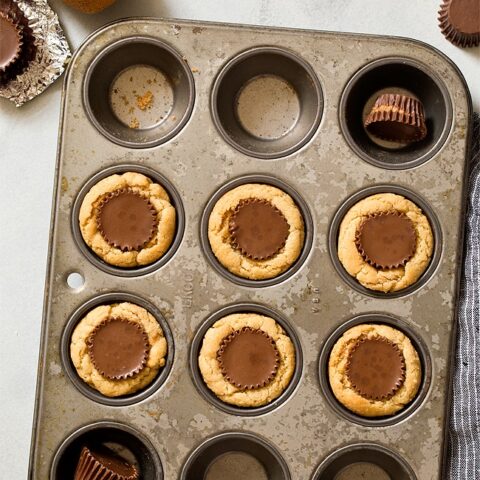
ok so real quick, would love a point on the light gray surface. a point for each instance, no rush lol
(28, 156)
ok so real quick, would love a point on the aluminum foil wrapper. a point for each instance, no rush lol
(52, 53)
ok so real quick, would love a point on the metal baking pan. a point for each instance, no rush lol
(175, 428)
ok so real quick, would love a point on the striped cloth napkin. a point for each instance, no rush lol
(464, 433)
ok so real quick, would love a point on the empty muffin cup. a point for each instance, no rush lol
(267, 102)
(117, 349)
(122, 440)
(406, 78)
(236, 456)
(139, 92)
(364, 461)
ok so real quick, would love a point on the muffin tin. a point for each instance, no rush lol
(205, 142)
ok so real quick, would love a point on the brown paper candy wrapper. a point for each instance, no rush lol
(104, 465)
(397, 118)
(459, 21)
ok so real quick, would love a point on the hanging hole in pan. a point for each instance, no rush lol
(75, 280)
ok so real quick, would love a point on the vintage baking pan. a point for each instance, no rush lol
(176, 427)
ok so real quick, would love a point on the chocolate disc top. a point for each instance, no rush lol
(258, 229)
(386, 240)
(248, 358)
(118, 348)
(103, 464)
(10, 42)
(376, 368)
(126, 219)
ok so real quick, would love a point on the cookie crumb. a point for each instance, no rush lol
(134, 123)
(145, 101)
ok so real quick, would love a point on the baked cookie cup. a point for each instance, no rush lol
(385, 242)
(118, 349)
(256, 231)
(247, 359)
(374, 370)
(127, 220)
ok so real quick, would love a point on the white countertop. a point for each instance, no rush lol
(28, 148)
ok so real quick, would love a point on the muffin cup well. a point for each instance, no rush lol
(123, 439)
(307, 221)
(203, 456)
(427, 211)
(390, 462)
(87, 390)
(418, 344)
(197, 375)
(252, 69)
(395, 75)
(113, 61)
(175, 200)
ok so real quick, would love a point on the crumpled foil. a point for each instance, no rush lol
(52, 54)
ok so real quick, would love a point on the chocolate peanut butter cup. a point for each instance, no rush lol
(248, 358)
(104, 464)
(376, 368)
(397, 118)
(460, 22)
(17, 47)
(10, 42)
(258, 229)
(386, 240)
(118, 348)
(126, 219)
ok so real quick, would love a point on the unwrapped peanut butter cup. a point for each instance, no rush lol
(376, 368)
(460, 22)
(386, 240)
(103, 464)
(126, 219)
(248, 358)
(10, 42)
(17, 45)
(397, 118)
(258, 229)
(118, 348)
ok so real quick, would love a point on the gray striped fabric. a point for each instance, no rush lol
(464, 434)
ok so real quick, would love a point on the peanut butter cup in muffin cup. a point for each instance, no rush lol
(119, 350)
(374, 370)
(246, 361)
(256, 231)
(397, 118)
(127, 220)
(104, 464)
(385, 242)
